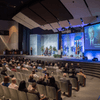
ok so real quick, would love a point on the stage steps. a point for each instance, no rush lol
(91, 69)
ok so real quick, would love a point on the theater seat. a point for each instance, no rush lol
(32, 96)
(52, 94)
(65, 87)
(22, 95)
(14, 94)
(42, 89)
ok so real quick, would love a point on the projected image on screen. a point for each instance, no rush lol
(92, 37)
(73, 44)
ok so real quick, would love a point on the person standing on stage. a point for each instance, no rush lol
(31, 50)
(61, 51)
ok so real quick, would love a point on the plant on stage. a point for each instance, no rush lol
(51, 47)
(42, 49)
(54, 49)
(56, 56)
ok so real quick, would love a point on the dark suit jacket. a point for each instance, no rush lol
(42, 82)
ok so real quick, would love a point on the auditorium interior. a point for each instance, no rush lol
(49, 49)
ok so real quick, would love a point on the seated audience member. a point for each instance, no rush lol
(47, 78)
(66, 68)
(39, 67)
(34, 75)
(64, 78)
(31, 78)
(44, 71)
(27, 64)
(7, 68)
(58, 64)
(22, 86)
(34, 67)
(78, 65)
(41, 81)
(73, 76)
(14, 69)
(24, 64)
(55, 66)
(52, 83)
(18, 67)
(0, 63)
(81, 73)
(13, 84)
(3, 72)
(6, 81)
(34, 91)
(23, 68)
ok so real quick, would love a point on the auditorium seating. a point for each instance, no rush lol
(46, 90)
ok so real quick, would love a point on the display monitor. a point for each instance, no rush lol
(92, 37)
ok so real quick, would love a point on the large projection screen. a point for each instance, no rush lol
(92, 37)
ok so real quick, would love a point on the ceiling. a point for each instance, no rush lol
(50, 14)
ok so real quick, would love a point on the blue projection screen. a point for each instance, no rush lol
(70, 41)
(92, 37)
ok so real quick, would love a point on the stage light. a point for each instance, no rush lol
(95, 59)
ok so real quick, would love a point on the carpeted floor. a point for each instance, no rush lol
(90, 92)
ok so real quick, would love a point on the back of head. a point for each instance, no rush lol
(22, 85)
(14, 80)
(33, 72)
(81, 70)
(6, 79)
(34, 85)
(64, 75)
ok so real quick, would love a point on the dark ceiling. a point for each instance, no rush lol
(41, 11)
(48, 11)
(8, 8)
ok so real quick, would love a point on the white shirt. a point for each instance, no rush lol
(35, 75)
(13, 86)
(8, 69)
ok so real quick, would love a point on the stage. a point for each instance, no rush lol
(90, 67)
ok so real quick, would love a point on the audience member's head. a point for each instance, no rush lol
(14, 80)
(64, 75)
(33, 72)
(81, 71)
(55, 64)
(71, 64)
(6, 65)
(22, 85)
(6, 79)
(45, 69)
(34, 85)
(18, 64)
(78, 64)
(22, 66)
(34, 67)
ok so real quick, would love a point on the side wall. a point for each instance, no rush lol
(11, 41)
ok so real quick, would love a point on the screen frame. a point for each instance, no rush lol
(84, 37)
